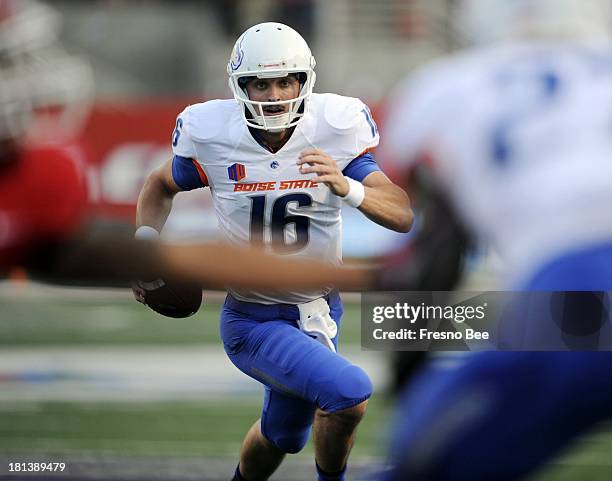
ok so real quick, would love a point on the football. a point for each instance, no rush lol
(174, 299)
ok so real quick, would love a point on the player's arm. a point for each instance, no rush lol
(155, 199)
(386, 203)
(181, 173)
(220, 265)
(109, 255)
(155, 203)
(380, 199)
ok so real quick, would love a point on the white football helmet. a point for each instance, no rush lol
(45, 93)
(271, 50)
(478, 22)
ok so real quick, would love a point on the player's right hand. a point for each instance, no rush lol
(318, 162)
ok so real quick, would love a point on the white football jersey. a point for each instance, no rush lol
(520, 137)
(261, 196)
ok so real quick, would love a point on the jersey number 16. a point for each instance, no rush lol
(279, 222)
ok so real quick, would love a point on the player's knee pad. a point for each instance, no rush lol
(349, 387)
(290, 442)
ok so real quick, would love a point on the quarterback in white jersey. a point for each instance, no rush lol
(262, 196)
(517, 136)
(280, 161)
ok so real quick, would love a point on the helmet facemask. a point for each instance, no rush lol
(253, 111)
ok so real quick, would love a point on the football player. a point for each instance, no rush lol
(280, 162)
(516, 134)
(44, 94)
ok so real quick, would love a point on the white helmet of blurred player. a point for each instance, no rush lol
(44, 92)
(271, 50)
(486, 21)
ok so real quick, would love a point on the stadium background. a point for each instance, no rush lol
(93, 379)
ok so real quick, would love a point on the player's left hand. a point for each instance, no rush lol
(139, 292)
(318, 162)
(142, 289)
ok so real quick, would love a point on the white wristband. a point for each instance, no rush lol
(356, 193)
(146, 232)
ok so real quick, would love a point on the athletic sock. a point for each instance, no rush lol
(325, 476)
(237, 475)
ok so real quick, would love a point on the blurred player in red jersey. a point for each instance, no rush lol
(44, 96)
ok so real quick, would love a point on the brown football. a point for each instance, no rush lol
(175, 299)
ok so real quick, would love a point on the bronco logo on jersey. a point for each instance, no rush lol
(236, 172)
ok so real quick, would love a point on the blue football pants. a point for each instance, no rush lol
(298, 372)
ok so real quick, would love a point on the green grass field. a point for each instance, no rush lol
(115, 321)
(206, 428)
(212, 430)
(203, 428)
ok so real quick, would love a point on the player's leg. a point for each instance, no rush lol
(259, 458)
(339, 388)
(287, 421)
(279, 355)
(498, 415)
(334, 430)
(334, 435)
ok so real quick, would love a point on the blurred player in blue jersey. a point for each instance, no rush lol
(280, 162)
(517, 136)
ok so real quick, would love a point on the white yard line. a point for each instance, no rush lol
(100, 373)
